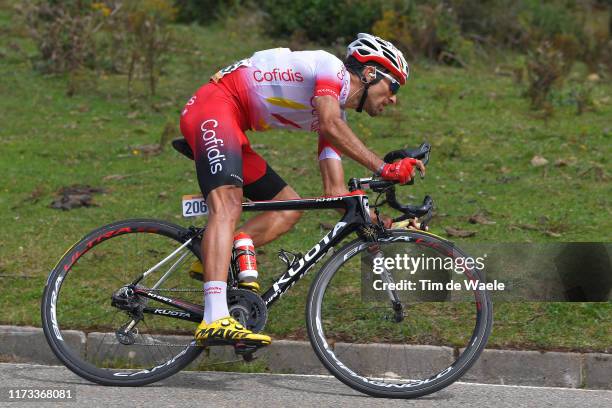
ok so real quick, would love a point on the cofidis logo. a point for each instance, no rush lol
(276, 74)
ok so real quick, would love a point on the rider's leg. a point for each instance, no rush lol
(269, 225)
(225, 207)
(211, 123)
(261, 182)
(263, 228)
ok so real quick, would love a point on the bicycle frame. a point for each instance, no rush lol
(356, 218)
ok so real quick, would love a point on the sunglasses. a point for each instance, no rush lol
(394, 85)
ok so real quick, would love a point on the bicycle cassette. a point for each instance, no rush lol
(248, 308)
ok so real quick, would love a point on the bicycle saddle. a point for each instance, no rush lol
(181, 146)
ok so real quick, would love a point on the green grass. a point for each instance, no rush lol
(483, 137)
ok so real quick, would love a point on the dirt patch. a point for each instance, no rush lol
(75, 196)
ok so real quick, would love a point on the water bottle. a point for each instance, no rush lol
(244, 254)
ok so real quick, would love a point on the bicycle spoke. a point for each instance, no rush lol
(361, 340)
(89, 299)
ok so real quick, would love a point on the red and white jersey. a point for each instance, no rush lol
(276, 89)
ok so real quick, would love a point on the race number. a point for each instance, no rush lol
(194, 205)
(242, 63)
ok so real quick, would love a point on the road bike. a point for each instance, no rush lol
(127, 286)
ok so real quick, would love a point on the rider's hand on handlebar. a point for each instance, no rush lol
(402, 170)
(386, 221)
(412, 223)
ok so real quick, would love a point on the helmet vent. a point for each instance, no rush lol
(390, 57)
(367, 43)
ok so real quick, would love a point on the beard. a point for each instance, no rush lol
(372, 111)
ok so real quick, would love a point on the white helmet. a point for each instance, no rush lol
(368, 47)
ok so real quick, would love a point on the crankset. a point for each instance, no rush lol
(248, 308)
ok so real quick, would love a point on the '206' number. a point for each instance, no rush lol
(195, 207)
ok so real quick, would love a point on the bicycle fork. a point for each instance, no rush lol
(387, 278)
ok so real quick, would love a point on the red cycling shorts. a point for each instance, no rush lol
(213, 124)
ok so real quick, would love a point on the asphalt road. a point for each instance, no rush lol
(206, 389)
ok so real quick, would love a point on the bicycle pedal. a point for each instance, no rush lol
(196, 271)
(243, 349)
(196, 275)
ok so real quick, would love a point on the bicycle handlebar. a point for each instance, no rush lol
(421, 153)
(424, 211)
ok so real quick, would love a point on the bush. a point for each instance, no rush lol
(546, 66)
(146, 37)
(76, 36)
(546, 20)
(205, 11)
(427, 30)
(443, 30)
(321, 20)
(64, 35)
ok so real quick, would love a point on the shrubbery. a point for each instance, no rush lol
(426, 30)
(80, 36)
(206, 11)
(320, 20)
(64, 33)
(132, 36)
(546, 66)
(448, 31)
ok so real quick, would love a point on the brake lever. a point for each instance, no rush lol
(420, 153)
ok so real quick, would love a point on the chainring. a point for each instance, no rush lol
(248, 308)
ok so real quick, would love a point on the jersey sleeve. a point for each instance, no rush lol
(327, 151)
(329, 75)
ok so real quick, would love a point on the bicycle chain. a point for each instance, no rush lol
(184, 345)
(175, 290)
(164, 344)
(171, 290)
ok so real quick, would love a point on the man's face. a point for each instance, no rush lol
(379, 96)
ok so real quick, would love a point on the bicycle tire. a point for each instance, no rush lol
(325, 349)
(73, 358)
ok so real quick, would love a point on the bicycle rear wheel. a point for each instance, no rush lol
(77, 299)
(365, 343)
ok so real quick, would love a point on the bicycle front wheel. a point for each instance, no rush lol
(401, 343)
(78, 298)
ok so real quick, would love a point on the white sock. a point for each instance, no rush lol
(215, 301)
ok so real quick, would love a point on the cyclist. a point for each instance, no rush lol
(279, 88)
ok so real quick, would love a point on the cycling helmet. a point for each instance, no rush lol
(368, 47)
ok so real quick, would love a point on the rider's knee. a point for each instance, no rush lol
(292, 217)
(226, 206)
(230, 212)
